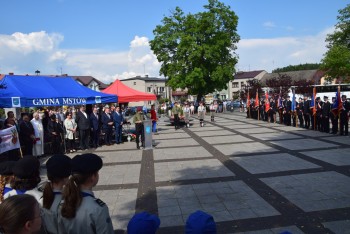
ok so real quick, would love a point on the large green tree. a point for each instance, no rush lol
(197, 51)
(336, 61)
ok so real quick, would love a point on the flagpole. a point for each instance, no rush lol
(339, 100)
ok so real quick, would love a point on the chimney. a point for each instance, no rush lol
(11, 73)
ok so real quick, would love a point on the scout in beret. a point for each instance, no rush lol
(6, 176)
(144, 223)
(58, 171)
(81, 212)
(26, 178)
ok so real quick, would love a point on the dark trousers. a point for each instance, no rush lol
(27, 149)
(108, 135)
(139, 132)
(84, 138)
(325, 123)
(344, 122)
(96, 137)
(176, 121)
(319, 123)
(307, 120)
(334, 120)
(56, 144)
(301, 121)
(118, 133)
(70, 144)
(288, 119)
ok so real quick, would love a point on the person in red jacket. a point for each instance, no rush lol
(154, 119)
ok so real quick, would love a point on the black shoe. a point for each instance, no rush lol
(138, 147)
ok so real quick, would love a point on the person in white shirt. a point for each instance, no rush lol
(38, 148)
(201, 113)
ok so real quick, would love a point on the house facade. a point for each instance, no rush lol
(240, 80)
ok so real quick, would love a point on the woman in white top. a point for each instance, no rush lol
(71, 128)
(201, 113)
(186, 111)
(38, 148)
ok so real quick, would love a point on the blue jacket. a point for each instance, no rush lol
(94, 122)
(118, 118)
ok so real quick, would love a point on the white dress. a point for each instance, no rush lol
(38, 147)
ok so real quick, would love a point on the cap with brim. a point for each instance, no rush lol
(6, 167)
(59, 166)
(26, 167)
(200, 222)
(343, 96)
(144, 223)
(325, 97)
(86, 163)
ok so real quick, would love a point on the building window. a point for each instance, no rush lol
(161, 89)
(149, 102)
(242, 84)
(235, 85)
(134, 82)
(149, 89)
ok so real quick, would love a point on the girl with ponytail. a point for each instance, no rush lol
(81, 212)
(58, 171)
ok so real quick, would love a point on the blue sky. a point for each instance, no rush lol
(109, 38)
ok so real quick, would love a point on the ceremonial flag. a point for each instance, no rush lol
(335, 104)
(293, 100)
(257, 99)
(267, 102)
(312, 104)
(280, 104)
(248, 100)
(9, 139)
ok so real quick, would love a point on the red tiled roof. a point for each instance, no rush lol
(246, 75)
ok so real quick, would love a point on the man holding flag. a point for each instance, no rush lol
(256, 104)
(336, 104)
(280, 106)
(293, 108)
(248, 105)
(267, 107)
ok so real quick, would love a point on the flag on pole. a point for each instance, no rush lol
(248, 99)
(9, 139)
(267, 102)
(293, 100)
(337, 104)
(257, 99)
(312, 104)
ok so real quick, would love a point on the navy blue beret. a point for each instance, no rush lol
(6, 167)
(59, 166)
(26, 167)
(86, 163)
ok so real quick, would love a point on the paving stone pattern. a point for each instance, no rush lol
(252, 176)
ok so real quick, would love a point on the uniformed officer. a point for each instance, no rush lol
(26, 172)
(326, 110)
(5, 177)
(344, 116)
(287, 111)
(138, 121)
(81, 212)
(58, 170)
(306, 112)
(176, 111)
(300, 108)
(334, 117)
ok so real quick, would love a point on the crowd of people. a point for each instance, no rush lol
(55, 131)
(320, 115)
(65, 202)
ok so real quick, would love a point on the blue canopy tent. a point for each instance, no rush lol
(29, 91)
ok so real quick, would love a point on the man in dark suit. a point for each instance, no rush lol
(288, 110)
(107, 125)
(26, 135)
(95, 127)
(118, 123)
(83, 122)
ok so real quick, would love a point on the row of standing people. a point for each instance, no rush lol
(305, 116)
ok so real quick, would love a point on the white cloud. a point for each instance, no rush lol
(269, 24)
(269, 54)
(24, 53)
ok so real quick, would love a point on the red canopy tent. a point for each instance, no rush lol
(127, 94)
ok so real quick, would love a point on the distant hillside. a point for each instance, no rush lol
(306, 66)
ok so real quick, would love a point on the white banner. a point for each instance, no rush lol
(9, 139)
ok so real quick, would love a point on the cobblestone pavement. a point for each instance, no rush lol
(252, 176)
